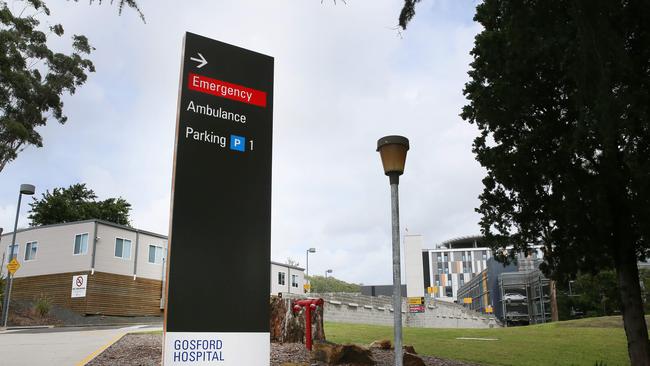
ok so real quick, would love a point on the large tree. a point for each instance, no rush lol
(590, 295)
(77, 203)
(560, 92)
(33, 77)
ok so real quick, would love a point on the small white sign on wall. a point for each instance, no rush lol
(79, 285)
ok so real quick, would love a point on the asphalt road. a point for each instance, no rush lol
(59, 346)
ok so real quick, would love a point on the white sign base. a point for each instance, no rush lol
(227, 349)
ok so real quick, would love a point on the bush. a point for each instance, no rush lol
(320, 284)
(42, 306)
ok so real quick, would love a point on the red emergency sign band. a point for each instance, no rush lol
(225, 89)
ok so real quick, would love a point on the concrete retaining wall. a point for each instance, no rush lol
(363, 309)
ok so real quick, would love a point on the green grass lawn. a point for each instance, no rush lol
(576, 342)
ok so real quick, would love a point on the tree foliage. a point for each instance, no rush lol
(320, 284)
(560, 92)
(590, 295)
(121, 4)
(407, 13)
(33, 77)
(77, 203)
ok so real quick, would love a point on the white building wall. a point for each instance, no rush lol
(55, 253)
(105, 259)
(55, 249)
(287, 287)
(413, 265)
(146, 269)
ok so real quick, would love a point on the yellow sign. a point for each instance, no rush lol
(488, 309)
(416, 300)
(467, 300)
(430, 290)
(13, 266)
(307, 287)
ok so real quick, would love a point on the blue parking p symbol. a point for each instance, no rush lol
(237, 143)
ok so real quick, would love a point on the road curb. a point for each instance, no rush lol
(101, 349)
(125, 325)
(30, 327)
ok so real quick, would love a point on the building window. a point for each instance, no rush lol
(449, 292)
(294, 281)
(449, 283)
(467, 267)
(439, 257)
(30, 251)
(281, 276)
(123, 248)
(445, 257)
(155, 254)
(9, 256)
(461, 280)
(439, 270)
(80, 244)
(446, 269)
(484, 255)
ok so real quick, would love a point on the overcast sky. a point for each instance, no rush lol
(343, 78)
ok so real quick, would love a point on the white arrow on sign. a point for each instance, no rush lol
(202, 62)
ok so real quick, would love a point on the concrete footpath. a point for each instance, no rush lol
(59, 346)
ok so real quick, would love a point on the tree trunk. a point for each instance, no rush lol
(289, 327)
(636, 330)
(554, 312)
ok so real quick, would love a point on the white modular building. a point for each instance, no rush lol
(123, 267)
(287, 278)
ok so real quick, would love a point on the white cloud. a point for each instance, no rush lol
(343, 79)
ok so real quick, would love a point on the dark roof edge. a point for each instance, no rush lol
(102, 222)
(287, 265)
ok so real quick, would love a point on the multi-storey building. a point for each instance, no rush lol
(442, 270)
(517, 294)
(446, 267)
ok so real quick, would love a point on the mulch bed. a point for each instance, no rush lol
(146, 350)
(132, 350)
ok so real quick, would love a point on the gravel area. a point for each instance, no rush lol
(21, 313)
(146, 350)
(132, 350)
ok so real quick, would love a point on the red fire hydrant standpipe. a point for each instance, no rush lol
(309, 305)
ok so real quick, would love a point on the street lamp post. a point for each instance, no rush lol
(392, 150)
(4, 252)
(310, 250)
(328, 271)
(27, 189)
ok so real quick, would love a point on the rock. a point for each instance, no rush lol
(409, 349)
(337, 354)
(412, 360)
(385, 344)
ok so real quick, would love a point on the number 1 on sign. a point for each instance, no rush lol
(251, 141)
